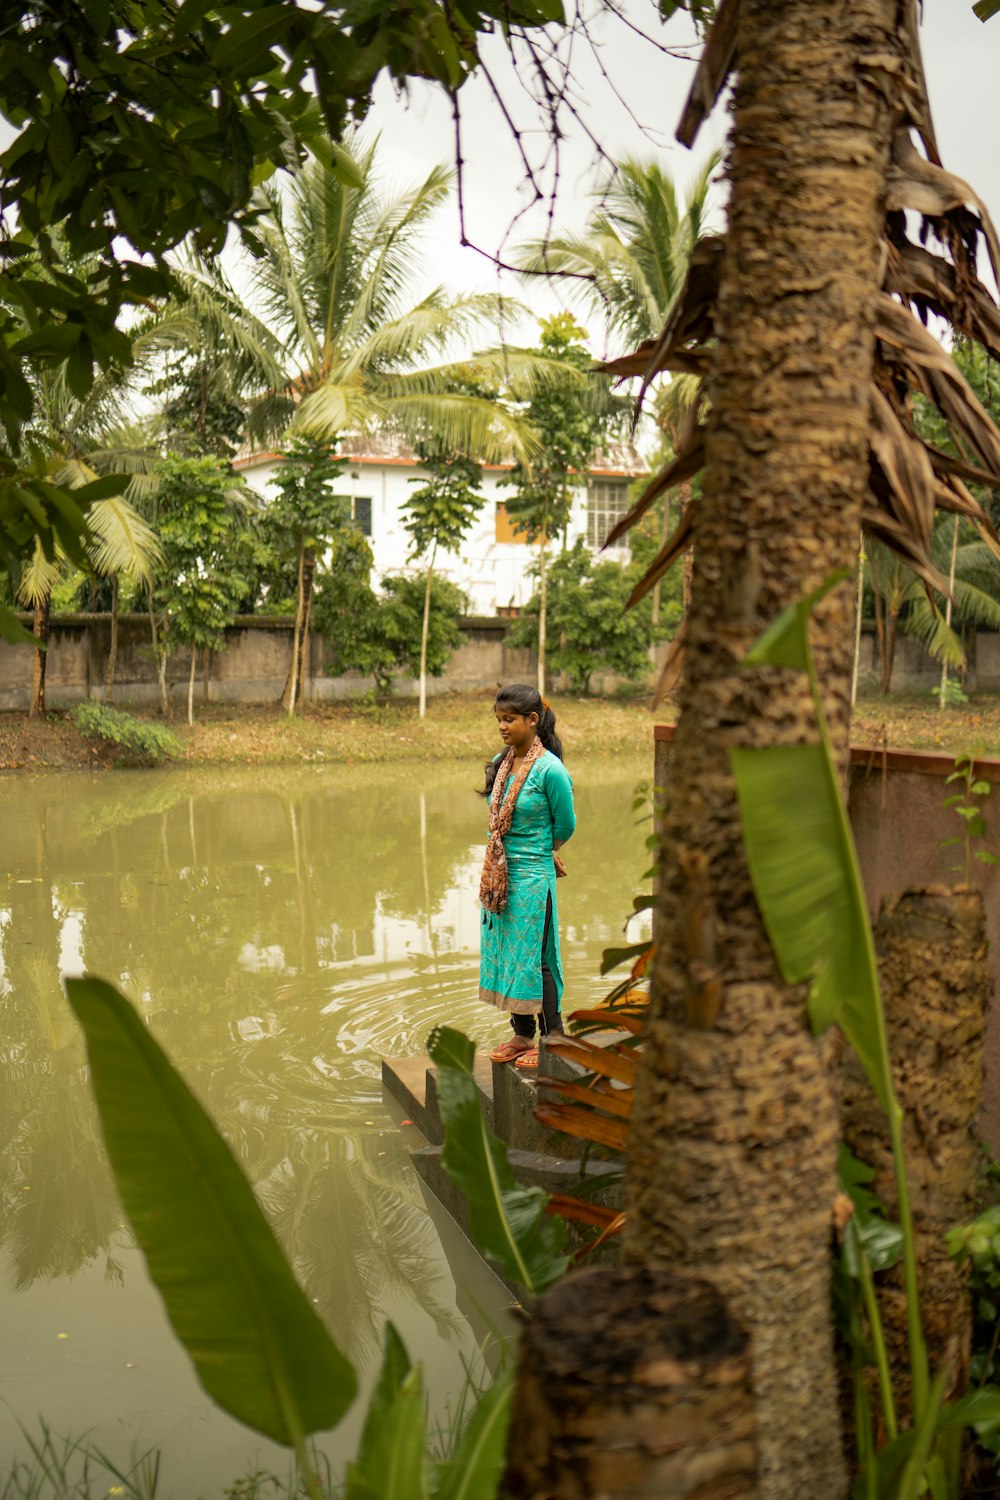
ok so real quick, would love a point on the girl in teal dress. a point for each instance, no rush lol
(531, 817)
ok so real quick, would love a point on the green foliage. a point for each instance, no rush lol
(440, 512)
(256, 1343)
(570, 427)
(141, 740)
(590, 629)
(347, 612)
(808, 885)
(401, 614)
(702, 12)
(508, 1222)
(967, 805)
(986, 9)
(307, 511)
(977, 1245)
(199, 588)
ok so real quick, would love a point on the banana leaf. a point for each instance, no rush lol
(475, 1471)
(391, 1464)
(804, 867)
(256, 1343)
(508, 1222)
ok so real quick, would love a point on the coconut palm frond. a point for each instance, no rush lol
(925, 623)
(430, 326)
(334, 408)
(39, 576)
(465, 424)
(123, 543)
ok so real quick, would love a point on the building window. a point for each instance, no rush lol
(607, 502)
(506, 531)
(362, 512)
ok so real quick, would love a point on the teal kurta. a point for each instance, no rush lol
(510, 969)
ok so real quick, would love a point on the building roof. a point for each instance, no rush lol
(617, 461)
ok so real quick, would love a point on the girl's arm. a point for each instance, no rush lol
(559, 791)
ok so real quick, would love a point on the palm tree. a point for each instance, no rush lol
(973, 573)
(635, 253)
(333, 277)
(81, 439)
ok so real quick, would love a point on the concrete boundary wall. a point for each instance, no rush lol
(254, 666)
(252, 669)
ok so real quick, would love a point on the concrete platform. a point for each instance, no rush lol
(538, 1157)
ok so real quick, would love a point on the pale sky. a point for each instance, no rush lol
(961, 55)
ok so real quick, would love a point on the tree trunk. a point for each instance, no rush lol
(932, 955)
(888, 650)
(191, 676)
(109, 681)
(40, 630)
(542, 611)
(647, 1393)
(292, 693)
(943, 690)
(732, 1164)
(424, 632)
(159, 656)
(687, 566)
(858, 608)
(654, 618)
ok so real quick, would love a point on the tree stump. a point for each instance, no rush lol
(932, 953)
(632, 1383)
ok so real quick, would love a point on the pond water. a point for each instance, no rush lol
(280, 931)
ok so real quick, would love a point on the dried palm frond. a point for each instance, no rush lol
(685, 466)
(673, 667)
(713, 71)
(932, 284)
(916, 183)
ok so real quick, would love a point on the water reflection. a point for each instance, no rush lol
(280, 932)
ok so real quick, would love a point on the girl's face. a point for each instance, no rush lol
(516, 729)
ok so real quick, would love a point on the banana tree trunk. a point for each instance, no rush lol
(424, 632)
(732, 1163)
(40, 630)
(936, 1043)
(109, 681)
(543, 590)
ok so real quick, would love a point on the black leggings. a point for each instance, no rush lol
(550, 1019)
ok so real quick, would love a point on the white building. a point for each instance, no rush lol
(493, 567)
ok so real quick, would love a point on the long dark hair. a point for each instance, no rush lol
(525, 700)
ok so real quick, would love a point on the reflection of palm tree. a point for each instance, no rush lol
(357, 1239)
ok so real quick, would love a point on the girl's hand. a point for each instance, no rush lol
(560, 867)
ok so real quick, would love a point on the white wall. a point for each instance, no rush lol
(495, 575)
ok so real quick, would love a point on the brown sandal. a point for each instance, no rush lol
(528, 1061)
(510, 1051)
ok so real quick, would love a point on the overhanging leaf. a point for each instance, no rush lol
(508, 1222)
(257, 1346)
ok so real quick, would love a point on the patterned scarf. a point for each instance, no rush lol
(493, 882)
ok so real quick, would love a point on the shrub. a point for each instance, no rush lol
(144, 742)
